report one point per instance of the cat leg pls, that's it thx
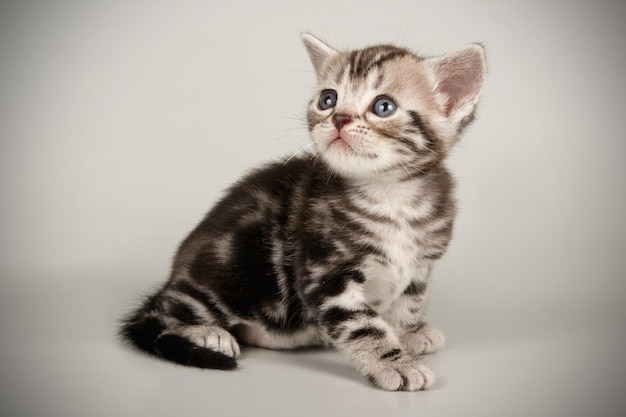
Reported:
(405, 315)
(187, 316)
(365, 337)
(182, 324)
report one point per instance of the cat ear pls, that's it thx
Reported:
(319, 52)
(459, 79)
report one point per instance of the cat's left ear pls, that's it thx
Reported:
(459, 79)
(319, 52)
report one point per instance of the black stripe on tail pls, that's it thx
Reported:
(146, 331)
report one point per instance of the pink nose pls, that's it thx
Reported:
(341, 120)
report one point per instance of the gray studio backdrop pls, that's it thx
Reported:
(122, 121)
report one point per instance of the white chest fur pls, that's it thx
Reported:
(395, 209)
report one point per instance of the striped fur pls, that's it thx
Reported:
(332, 248)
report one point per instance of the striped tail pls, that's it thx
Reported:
(147, 330)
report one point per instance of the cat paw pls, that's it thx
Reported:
(403, 375)
(214, 338)
(425, 340)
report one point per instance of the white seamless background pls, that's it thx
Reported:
(121, 122)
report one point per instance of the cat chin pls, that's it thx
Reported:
(349, 161)
(344, 161)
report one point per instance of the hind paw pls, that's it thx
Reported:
(214, 338)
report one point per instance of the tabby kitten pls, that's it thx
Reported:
(332, 248)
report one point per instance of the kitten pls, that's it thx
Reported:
(332, 248)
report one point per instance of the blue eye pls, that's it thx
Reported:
(384, 106)
(328, 99)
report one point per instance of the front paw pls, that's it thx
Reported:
(403, 374)
(425, 339)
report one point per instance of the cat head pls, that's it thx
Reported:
(383, 110)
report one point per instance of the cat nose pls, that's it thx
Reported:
(341, 119)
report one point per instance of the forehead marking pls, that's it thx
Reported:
(366, 60)
(379, 80)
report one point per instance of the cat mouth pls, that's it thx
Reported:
(341, 144)
(342, 141)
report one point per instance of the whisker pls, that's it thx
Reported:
(296, 118)
(406, 169)
(431, 150)
(299, 151)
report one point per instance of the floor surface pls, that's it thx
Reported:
(62, 359)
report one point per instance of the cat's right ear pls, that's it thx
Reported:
(319, 52)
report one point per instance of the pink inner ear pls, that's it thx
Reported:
(460, 79)
(454, 89)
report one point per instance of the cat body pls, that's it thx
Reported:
(332, 248)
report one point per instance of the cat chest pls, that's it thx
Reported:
(387, 276)
(395, 227)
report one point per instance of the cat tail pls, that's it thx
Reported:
(147, 329)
